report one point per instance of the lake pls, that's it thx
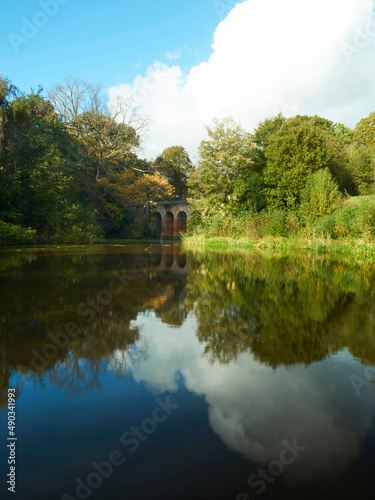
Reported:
(143, 372)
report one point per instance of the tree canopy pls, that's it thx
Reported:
(364, 131)
(220, 182)
(302, 146)
(175, 165)
(68, 166)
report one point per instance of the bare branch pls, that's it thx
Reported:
(124, 110)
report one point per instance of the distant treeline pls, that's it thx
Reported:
(69, 168)
(302, 176)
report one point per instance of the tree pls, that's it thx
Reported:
(7, 92)
(226, 160)
(107, 135)
(362, 167)
(344, 132)
(364, 131)
(174, 164)
(362, 155)
(143, 189)
(112, 196)
(106, 141)
(64, 173)
(301, 147)
(38, 163)
(262, 134)
(266, 129)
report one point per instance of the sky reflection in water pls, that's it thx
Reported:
(255, 351)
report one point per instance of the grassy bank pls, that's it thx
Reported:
(357, 250)
(348, 230)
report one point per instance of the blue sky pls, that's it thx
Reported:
(104, 41)
(248, 60)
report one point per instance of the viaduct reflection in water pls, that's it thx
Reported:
(283, 311)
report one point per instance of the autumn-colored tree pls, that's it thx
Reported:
(143, 189)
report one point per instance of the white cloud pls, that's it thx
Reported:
(172, 56)
(294, 56)
(253, 408)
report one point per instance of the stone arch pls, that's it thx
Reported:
(181, 222)
(156, 224)
(169, 224)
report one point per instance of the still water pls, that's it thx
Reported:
(142, 372)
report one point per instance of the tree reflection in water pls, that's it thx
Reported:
(282, 310)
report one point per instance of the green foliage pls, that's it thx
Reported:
(293, 224)
(76, 224)
(301, 147)
(350, 220)
(320, 196)
(364, 131)
(220, 182)
(266, 129)
(59, 158)
(345, 133)
(324, 227)
(106, 141)
(362, 166)
(103, 133)
(275, 223)
(55, 162)
(195, 222)
(262, 135)
(175, 165)
(11, 234)
(249, 194)
(38, 163)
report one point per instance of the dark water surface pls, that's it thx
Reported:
(145, 373)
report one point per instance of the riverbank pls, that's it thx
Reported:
(358, 250)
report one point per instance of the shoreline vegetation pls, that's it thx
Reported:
(346, 232)
(359, 250)
(69, 171)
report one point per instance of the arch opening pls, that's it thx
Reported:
(156, 224)
(169, 224)
(181, 222)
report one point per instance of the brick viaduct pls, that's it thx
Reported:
(168, 218)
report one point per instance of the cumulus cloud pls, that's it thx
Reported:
(253, 408)
(293, 56)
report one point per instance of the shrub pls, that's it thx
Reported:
(354, 220)
(292, 224)
(11, 234)
(319, 197)
(325, 226)
(76, 224)
(275, 223)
